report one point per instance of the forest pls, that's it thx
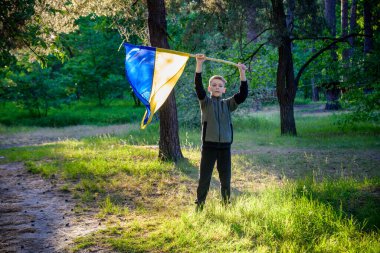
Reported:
(78, 175)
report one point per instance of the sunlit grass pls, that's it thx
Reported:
(109, 207)
(291, 218)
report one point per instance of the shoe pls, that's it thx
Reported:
(199, 207)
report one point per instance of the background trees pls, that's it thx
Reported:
(14, 32)
(324, 50)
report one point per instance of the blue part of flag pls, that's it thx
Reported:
(139, 69)
(153, 73)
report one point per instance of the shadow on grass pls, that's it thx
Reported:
(347, 196)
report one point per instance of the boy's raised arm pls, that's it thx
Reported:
(242, 68)
(201, 93)
(200, 59)
(243, 91)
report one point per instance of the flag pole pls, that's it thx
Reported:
(193, 55)
(217, 60)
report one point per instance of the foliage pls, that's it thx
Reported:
(87, 44)
(362, 87)
(84, 112)
(13, 27)
(364, 104)
(95, 67)
(32, 88)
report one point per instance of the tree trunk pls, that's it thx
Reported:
(353, 25)
(99, 94)
(332, 96)
(368, 43)
(314, 91)
(344, 26)
(285, 85)
(306, 92)
(314, 87)
(169, 147)
(251, 19)
(330, 17)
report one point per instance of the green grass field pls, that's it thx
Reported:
(318, 192)
(78, 113)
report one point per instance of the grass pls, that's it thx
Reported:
(284, 219)
(274, 220)
(263, 129)
(76, 113)
(318, 192)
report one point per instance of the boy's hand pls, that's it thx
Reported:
(200, 59)
(242, 68)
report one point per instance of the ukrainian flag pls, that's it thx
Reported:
(153, 73)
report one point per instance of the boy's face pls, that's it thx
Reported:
(216, 88)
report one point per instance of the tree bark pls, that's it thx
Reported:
(368, 43)
(332, 96)
(251, 19)
(169, 147)
(314, 87)
(330, 17)
(353, 25)
(344, 25)
(314, 91)
(285, 86)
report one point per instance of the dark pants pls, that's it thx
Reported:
(223, 158)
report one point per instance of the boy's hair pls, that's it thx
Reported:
(216, 77)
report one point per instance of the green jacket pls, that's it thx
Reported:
(217, 128)
(216, 121)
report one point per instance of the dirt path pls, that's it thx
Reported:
(35, 215)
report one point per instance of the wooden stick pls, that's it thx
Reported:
(191, 55)
(217, 60)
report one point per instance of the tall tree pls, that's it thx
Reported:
(330, 16)
(344, 24)
(368, 31)
(314, 87)
(353, 24)
(169, 147)
(332, 86)
(286, 89)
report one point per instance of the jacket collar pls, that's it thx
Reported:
(217, 98)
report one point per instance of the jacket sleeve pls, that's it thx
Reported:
(239, 97)
(201, 93)
(243, 93)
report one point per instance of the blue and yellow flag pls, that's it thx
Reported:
(153, 73)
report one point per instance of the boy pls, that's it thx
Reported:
(217, 132)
